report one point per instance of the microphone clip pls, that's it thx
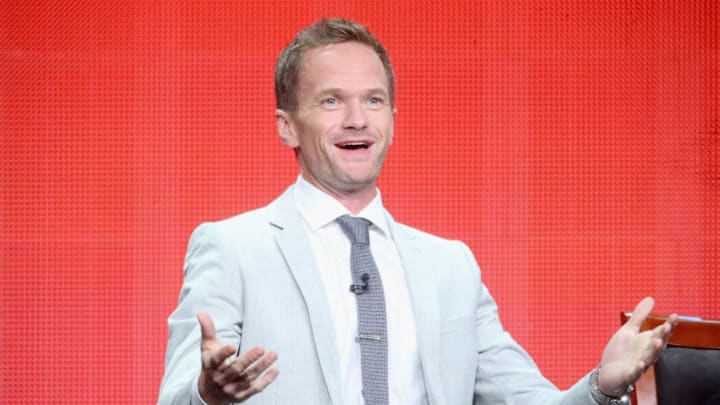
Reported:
(358, 289)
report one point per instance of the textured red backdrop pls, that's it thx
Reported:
(575, 147)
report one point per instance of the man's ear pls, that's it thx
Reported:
(285, 129)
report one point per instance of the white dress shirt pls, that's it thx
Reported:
(331, 249)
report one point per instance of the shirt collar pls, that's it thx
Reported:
(319, 209)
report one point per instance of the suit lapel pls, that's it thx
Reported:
(424, 298)
(292, 240)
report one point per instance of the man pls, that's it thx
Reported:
(278, 277)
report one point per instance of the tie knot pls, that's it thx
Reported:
(356, 229)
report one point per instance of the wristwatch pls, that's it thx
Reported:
(600, 398)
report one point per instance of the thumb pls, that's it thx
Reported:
(207, 327)
(641, 312)
(214, 353)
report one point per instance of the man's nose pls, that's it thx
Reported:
(355, 116)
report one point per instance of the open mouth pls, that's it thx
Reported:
(352, 145)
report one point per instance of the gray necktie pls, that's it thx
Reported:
(372, 330)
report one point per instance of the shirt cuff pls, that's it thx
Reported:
(195, 398)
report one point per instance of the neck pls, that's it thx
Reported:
(353, 198)
(354, 203)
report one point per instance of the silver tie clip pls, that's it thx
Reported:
(366, 336)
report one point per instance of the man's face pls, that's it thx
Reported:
(343, 124)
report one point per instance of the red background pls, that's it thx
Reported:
(574, 146)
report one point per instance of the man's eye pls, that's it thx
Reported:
(329, 101)
(375, 100)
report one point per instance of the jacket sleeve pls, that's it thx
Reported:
(506, 374)
(212, 283)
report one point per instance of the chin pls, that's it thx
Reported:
(358, 182)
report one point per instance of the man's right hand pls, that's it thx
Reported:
(224, 379)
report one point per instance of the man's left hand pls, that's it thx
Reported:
(630, 352)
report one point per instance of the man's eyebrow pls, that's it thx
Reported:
(377, 90)
(337, 90)
(330, 90)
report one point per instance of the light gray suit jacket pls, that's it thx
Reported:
(255, 275)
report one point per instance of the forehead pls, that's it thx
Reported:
(342, 64)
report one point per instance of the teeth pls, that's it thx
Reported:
(354, 145)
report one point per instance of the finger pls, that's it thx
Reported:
(249, 357)
(656, 348)
(216, 357)
(672, 321)
(640, 369)
(640, 313)
(258, 367)
(222, 359)
(257, 386)
(652, 351)
(664, 330)
(237, 370)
